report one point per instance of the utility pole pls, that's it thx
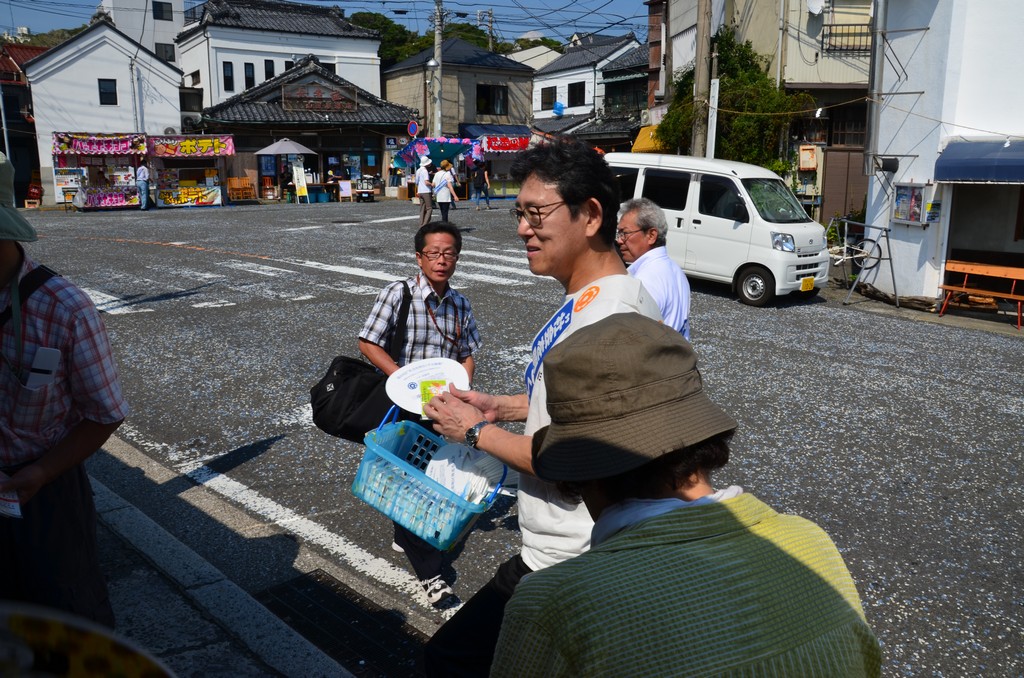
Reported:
(490, 26)
(438, 39)
(702, 79)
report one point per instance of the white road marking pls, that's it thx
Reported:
(301, 228)
(514, 257)
(362, 561)
(213, 304)
(347, 270)
(113, 305)
(260, 269)
(384, 221)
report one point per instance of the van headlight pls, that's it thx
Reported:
(783, 242)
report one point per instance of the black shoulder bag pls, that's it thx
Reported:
(350, 399)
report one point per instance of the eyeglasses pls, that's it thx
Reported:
(621, 236)
(533, 214)
(448, 255)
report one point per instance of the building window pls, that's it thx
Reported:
(547, 98)
(194, 77)
(328, 67)
(492, 100)
(162, 11)
(165, 51)
(849, 125)
(288, 65)
(108, 92)
(268, 69)
(250, 75)
(229, 76)
(577, 94)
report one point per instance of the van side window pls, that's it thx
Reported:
(626, 177)
(667, 188)
(718, 197)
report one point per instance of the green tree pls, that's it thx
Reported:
(527, 43)
(754, 115)
(396, 41)
(54, 37)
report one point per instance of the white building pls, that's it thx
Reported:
(100, 81)
(152, 23)
(949, 114)
(570, 86)
(229, 46)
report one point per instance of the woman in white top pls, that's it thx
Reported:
(444, 188)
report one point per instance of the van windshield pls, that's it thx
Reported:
(774, 202)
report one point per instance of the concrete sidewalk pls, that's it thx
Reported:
(185, 612)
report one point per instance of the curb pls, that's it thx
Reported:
(231, 607)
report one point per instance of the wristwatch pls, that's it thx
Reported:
(473, 434)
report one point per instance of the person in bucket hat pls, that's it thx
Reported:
(680, 579)
(62, 400)
(425, 191)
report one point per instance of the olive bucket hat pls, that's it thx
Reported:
(621, 392)
(13, 226)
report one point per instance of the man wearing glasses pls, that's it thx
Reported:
(440, 325)
(566, 216)
(641, 240)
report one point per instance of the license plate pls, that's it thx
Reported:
(807, 284)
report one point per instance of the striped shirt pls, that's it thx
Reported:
(86, 385)
(437, 328)
(729, 588)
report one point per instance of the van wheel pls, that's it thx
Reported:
(756, 286)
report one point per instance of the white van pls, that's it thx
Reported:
(730, 222)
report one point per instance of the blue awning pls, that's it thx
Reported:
(981, 162)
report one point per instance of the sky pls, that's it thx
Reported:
(558, 19)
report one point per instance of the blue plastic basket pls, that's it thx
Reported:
(391, 479)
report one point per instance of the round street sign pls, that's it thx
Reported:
(413, 128)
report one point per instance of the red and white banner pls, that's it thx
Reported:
(505, 144)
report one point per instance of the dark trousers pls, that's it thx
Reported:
(464, 646)
(444, 209)
(482, 191)
(49, 555)
(424, 558)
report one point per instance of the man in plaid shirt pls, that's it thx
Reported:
(61, 401)
(440, 325)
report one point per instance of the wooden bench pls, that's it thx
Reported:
(989, 275)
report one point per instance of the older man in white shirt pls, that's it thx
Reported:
(641, 241)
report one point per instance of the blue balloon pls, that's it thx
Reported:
(558, 109)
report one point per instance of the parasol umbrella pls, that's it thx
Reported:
(285, 147)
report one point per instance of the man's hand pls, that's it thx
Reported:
(26, 482)
(453, 414)
(485, 403)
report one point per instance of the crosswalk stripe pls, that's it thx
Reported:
(108, 303)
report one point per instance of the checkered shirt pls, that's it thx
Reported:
(86, 386)
(453, 314)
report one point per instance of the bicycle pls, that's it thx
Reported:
(862, 253)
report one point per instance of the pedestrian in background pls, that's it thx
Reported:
(61, 400)
(142, 183)
(425, 191)
(440, 325)
(680, 579)
(641, 240)
(482, 184)
(444, 188)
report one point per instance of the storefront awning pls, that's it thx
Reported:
(981, 162)
(72, 143)
(437, 149)
(195, 146)
(645, 141)
(498, 138)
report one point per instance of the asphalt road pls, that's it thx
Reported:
(902, 438)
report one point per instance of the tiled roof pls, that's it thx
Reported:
(456, 51)
(559, 125)
(275, 16)
(262, 103)
(636, 59)
(588, 53)
(600, 128)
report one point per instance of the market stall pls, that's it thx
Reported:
(97, 171)
(188, 169)
(498, 146)
(437, 149)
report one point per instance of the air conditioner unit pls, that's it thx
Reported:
(170, 130)
(189, 122)
(645, 117)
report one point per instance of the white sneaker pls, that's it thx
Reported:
(439, 593)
